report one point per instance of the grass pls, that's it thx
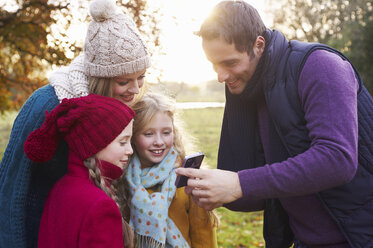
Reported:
(236, 230)
(6, 123)
(204, 125)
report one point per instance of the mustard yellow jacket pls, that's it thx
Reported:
(195, 224)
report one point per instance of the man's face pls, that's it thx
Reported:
(232, 67)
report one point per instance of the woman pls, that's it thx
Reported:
(114, 63)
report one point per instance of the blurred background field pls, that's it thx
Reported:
(6, 123)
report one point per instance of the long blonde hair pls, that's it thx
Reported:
(101, 86)
(119, 192)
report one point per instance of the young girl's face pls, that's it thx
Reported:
(119, 150)
(127, 86)
(155, 140)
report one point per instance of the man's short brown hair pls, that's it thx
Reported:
(234, 21)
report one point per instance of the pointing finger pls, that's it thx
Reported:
(191, 172)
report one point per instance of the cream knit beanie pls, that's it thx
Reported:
(113, 45)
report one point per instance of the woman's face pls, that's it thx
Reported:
(127, 86)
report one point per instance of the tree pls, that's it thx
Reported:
(343, 24)
(25, 49)
(29, 44)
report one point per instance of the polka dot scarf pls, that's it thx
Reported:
(149, 212)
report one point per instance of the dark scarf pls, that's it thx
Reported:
(240, 124)
(240, 146)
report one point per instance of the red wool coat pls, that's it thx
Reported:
(78, 214)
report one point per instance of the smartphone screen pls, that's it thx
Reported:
(190, 161)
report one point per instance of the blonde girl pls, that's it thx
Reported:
(161, 214)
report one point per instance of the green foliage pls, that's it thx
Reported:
(346, 25)
(25, 49)
(360, 49)
(205, 125)
(236, 229)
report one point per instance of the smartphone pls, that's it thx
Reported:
(190, 161)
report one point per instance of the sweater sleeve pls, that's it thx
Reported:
(327, 90)
(102, 226)
(15, 174)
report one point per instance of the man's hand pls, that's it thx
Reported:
(211, 188)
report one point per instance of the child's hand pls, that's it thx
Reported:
(211, 188)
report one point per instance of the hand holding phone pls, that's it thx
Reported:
(190, 161)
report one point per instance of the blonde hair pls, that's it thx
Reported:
(152, 103)
(148, 106)
(101, 86)
(119, 192)
(104, 87)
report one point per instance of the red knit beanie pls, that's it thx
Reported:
(88, 124)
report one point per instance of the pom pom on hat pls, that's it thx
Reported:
(41, 144)
(88, 124)
(102, 10)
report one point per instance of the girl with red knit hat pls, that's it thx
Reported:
(87, 207)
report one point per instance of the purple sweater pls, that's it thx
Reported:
(328, 93)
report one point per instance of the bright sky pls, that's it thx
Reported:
(184, 60)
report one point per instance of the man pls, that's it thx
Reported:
(294, 118)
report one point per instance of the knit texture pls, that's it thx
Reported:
(70, 81)
(113, 45)
(88, 124)
(17, 231)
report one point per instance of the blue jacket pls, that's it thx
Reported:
(351, 204)
(24, 185)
